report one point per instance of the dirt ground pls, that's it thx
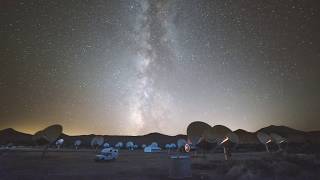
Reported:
(67, 164)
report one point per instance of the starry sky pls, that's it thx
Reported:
(135, 67)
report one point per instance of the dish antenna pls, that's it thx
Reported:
(216, 134)
(96, 142)
(219, 133)
(181, 143)
(264, 139)
(195, 131)
(230, 141)
(222, 136)
(59, 143)
(47, 136)
(173, 145)
(233, 137)
(167, 146)
(187, 148)
(136, 146)
(77, 143)
(119, 145)
(279, 140)
(130, 145)
(106, 145)
(154, 144)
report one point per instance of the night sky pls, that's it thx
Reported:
(135, 67)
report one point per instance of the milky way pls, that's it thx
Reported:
(135, 67)
(149, 105)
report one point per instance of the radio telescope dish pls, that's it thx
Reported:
(154, 144)
(216, 134)
(106, 145)
(39, 138)
(278, 139)
(220, 135)
(187, 148)
(167, 146)
(181, 143)
(264, 139)
(233, 137)
(230, 141)
(130, 145)
(97, 142)
(119, 145)
(209, 136)
(77, 143)
(47, 136)
(195, 131)
(173, 145)
(220, 132)
(59, 143)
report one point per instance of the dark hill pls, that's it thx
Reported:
(15, 137)
(281, 130)
(295, 136)
(161, 139)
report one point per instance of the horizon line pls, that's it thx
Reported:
(154, 132)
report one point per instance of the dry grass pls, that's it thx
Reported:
(139, 165)
(262, 166)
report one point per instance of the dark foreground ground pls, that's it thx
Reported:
(27, 164)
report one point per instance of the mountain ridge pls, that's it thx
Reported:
(10, 135)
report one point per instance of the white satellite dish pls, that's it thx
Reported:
(59, 143)
(119, 145)
(77, 143)
(97, 141)
(154, 144)
(47, 136)
(130, 145)
(167, 146)
(106, 145)
(181, 143)
(173, 145)
(264, 139)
